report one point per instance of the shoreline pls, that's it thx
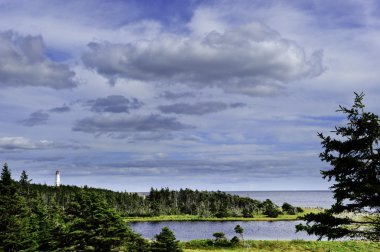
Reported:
(187, 217)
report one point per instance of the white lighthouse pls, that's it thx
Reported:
(57, 178)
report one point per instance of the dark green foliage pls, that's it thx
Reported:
(91, 224)
(135, 243)
(235, 241)
(270, 209)
(246, 213)
(289, 209)
(221, 240)
(158, 202)
(299, 210)
(354, 157)
(24, 183)
(15, 231)
(32, 219)
(219, 236)
(239, 230)
(165, 242)
(202, 203)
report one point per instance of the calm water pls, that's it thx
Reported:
(256, 230)
(253, 230)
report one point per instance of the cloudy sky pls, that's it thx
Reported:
(226, 95)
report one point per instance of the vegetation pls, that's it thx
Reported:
(221, 243)
(82, 220)
(205, 204)
(187, 217)
(354, 156)
(163, 202)
(239, 230)
(165, 241)
(295, 245)
(37, 217)
(289, 209)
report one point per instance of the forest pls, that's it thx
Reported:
(35, 217)
(162, 201)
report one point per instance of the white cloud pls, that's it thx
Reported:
(24, 63)
(252, 59)
(21, 143)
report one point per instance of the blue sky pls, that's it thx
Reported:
(208, 95)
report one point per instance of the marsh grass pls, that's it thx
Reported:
(187, 217)
(295, 245)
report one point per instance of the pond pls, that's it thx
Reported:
(253, 230)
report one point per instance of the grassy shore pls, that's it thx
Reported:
(187, 217)
(295, 245)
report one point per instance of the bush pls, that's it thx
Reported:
(165, 242)
(299, 210)
(235, 241)
(247, 213)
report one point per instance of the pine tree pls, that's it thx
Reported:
(240, 230)
(24, 183)
(91, 225)
(354, 156)
(15, 230)
(165, 242)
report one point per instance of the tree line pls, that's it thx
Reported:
(164, 201)
(32, 219)
(35, 217)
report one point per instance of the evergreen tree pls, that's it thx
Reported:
(354, 156)
(24, 183)
(165, 242)
(15, 230)
(240, 230)
(47, 223)
(91, 225)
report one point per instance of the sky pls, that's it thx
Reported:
(209, 95)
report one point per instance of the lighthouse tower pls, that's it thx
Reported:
(57, 178)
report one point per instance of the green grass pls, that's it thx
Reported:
(187, 217)
(295, 245)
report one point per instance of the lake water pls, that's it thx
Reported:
(254, 230)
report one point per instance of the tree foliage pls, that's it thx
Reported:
(36, 221)
(354, 157)
(92, 225)
(165, 242)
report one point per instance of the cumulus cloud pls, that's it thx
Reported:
(36, 118)
(63, 109)
(111, 124)
(252, 59)
(23, 63)
(200, 108)
(114, 104)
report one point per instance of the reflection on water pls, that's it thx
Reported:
(253, 230)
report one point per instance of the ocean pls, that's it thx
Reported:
(313, 199)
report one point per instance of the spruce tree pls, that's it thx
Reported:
(24, 183)
(92, 225)
(354, 158)
(15, 229)
(165, 242)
